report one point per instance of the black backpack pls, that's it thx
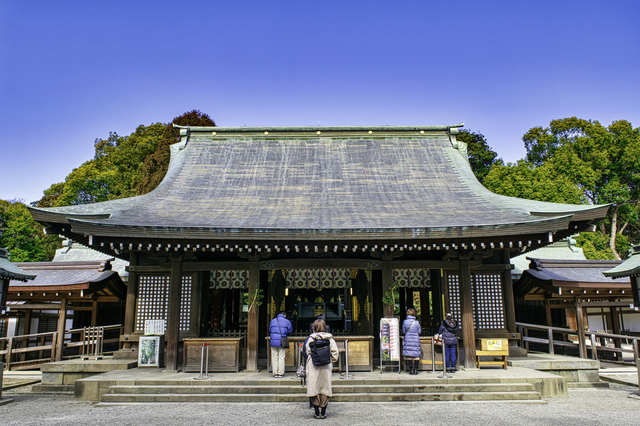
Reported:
(320, 351)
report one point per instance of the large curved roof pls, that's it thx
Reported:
(319, 183)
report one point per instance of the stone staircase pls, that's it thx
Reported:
(343, 391)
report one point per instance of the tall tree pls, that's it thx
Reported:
(156, 165)
(524, 180)
(114, 171)
(22, 236)
(481, 157)
(602, 162)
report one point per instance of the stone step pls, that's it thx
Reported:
(346, 397)
(293, 381)
(337, 389)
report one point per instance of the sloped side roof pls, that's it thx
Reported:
(630, 267)
(89, 277)
(554, 276)
(265, 184)
(11, 271)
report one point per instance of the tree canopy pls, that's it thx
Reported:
(156, 165)
(481, 157)
(581, 161)
(22, 236)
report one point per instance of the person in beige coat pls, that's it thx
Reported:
(319, 377)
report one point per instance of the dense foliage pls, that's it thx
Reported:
(481, 157)
(22, 236)
(581, 161)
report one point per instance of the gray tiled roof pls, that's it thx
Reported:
(11, 271)
(630, 267)
(242, 183)
(586, 271)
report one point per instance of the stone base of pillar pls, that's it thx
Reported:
(126, 354)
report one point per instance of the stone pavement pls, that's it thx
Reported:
(617, 405)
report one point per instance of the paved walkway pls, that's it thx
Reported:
(617, 405)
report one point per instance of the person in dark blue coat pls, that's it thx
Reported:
(448, 330)
(411, 350)
(279, 327)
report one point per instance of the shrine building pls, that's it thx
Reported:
(317, 220)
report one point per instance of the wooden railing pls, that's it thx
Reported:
(18, 347)
(14, 350)
(596, 342)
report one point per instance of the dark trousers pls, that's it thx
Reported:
(450, 354)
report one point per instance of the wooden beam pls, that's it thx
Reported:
(94, 313)
(507, 293)
(252, 320)
(173, 318)
(132, 297)
(580, 328)
(388, 310)
(62, 321)
(214, 266)
(466, 307)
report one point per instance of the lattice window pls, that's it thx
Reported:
(153, 300)
(185, 303)
(3, 328)
(486, 294)
(453, 285)
(488, 307)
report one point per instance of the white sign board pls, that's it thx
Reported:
(390, 339)
(154, 327)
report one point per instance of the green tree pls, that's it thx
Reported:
(114, 171)
(524, 180)
(156, 165)
(481, 157)
(602, 162)
(22, 236)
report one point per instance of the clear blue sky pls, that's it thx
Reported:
(72, 71)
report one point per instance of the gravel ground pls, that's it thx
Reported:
(619, 405)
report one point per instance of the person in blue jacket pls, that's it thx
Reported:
(411, 350)
(448, 330)
(279, 327)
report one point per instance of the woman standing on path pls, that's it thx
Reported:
(411, 345)
(319, 376)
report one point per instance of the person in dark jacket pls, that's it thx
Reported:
(448, 330)
(279, 327)
(411, 345)
(323, 318)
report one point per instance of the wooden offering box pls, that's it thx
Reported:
(493, 348)
(225, 353)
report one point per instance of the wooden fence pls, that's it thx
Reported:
(14, 350)
(597, 343)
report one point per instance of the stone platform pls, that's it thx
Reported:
(578, 372)
(489, 384)
(61, 376)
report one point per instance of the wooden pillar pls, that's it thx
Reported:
(580, 328)
(94, 313)
(547, 308)
(130, 301)
(403, 304)
(466, 308)
(507, 294)
(252, 320)
(615, 319)
(196, 303)
(27, 330)
(173, 319)
(62, 321)
(387, 282)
